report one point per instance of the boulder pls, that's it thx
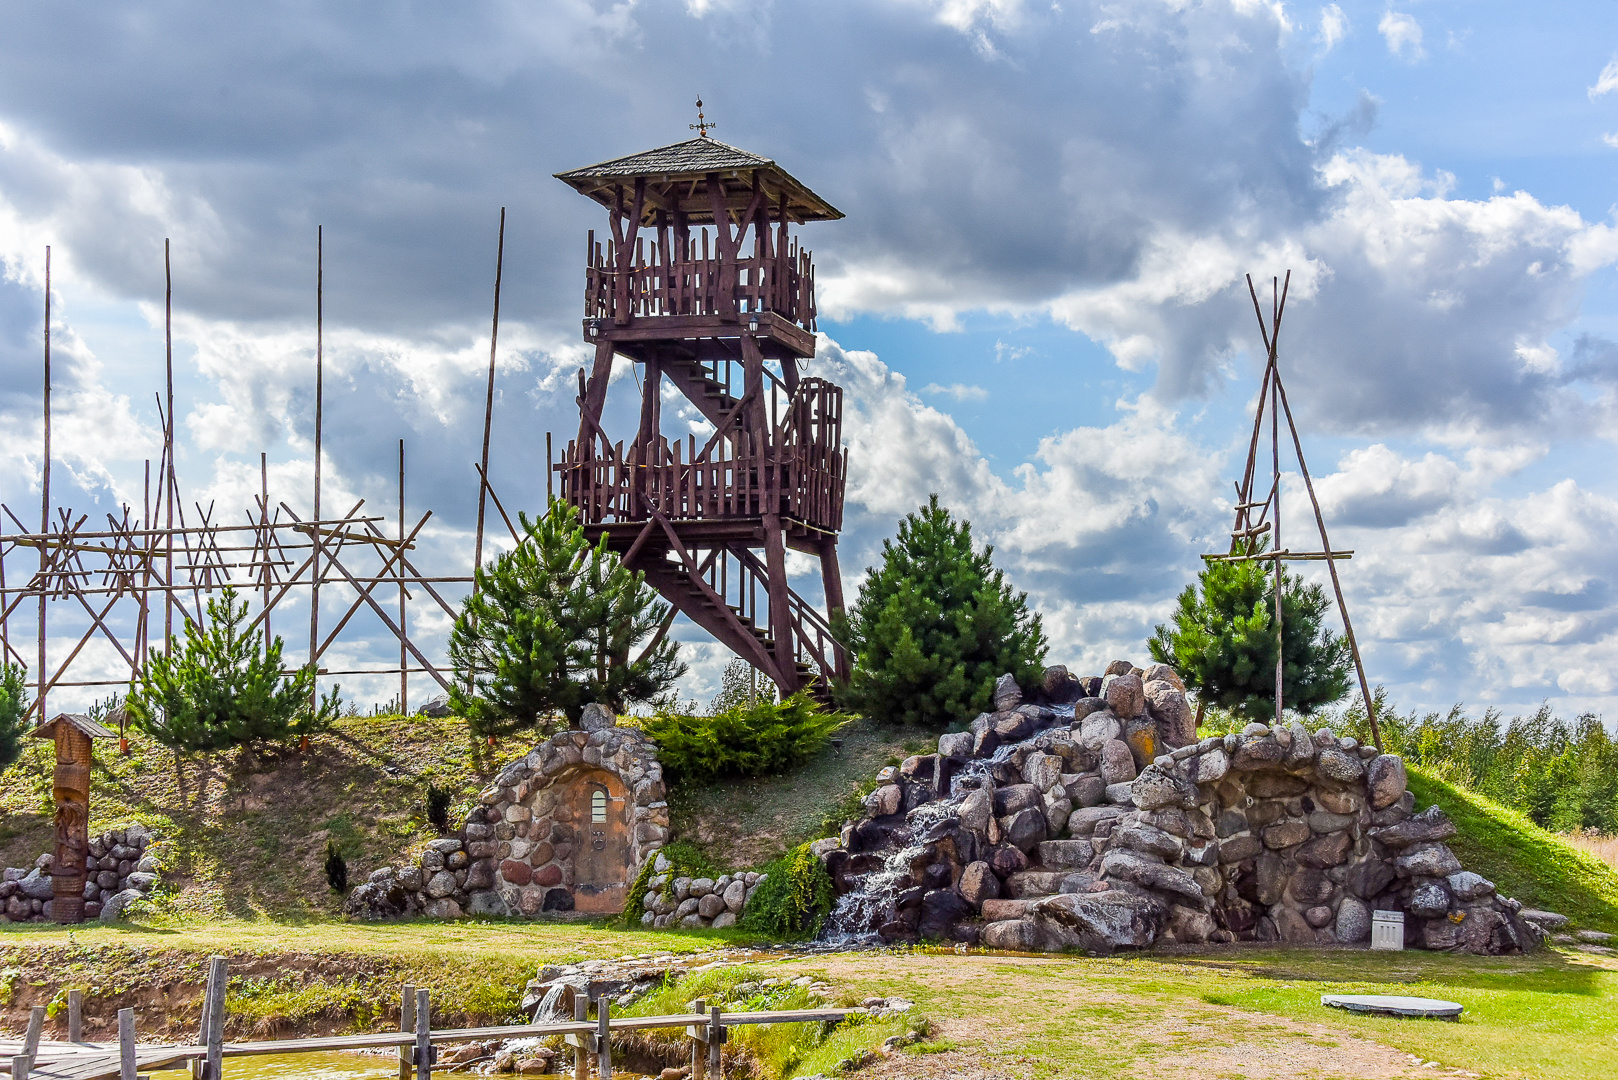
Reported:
(1139, 836)
(1083, 822)
(1098, 729)
(1430, 900)
(1326, 851)
(1097, 922)
(1065, 854)
(735, 896)
(1427, 860)
(1386, 780)
(1340, 765)
(1025, 828)
(1015, 797)
(978, 883)
(976, 810)
(1164, 673)
(1285, 834)
(1007, 694)
(1087, 791)
(1262, 752)
(1176, 720)
(1151, 874)
(596, 717)
(1006, 860)
(1126, 696)
(884, 801)
(436, 707)
(1155, 789)
(710, 905)
(956, 746)
(1043, 771)
(1205, 768)
(1189, 926)
(1117, 763)
(112, 908)
(1467, 886)
(1429, 826)
(941, 909)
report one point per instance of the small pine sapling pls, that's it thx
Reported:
(336, 869)
(13, 707)
(438, 807)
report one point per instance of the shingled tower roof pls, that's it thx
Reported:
(677, 178)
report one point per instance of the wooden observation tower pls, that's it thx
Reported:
(709, 516)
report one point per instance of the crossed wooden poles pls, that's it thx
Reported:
(1258, 517)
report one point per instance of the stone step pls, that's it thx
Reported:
(1035, 883)
(1065, 854)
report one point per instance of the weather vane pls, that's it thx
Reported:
(703, 123)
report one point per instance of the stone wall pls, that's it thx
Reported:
(518, 851)
(1101, 822)
(117, 871)
(678, 900)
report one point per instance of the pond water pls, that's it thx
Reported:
(326, 1066)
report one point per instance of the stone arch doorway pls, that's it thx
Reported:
(602, 863)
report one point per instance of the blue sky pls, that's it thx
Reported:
(1035, 301)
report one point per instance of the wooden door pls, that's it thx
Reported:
(601, 870)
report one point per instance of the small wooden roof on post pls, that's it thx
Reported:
(677, 178)
(77, 721)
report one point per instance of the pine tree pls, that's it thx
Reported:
(13, 707)
(935, 625)
(224, 688)
(1222, 642)
(550, 629)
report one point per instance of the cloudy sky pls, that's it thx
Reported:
(1035, 301)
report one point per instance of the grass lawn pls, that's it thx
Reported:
(1233, 1012)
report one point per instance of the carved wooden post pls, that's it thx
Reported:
(70, 789)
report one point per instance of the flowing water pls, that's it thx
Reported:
(859, 911)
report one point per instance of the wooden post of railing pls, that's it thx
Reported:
(407, 1022)
(36, 1025)
(581, 1013)
(603, 1038)
(699, 1047)
(75, 1016)
(126, 1044)
(424, 1036)
(214, 1017)
(21, 1065)
(716, 1038)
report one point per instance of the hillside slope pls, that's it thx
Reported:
(244, 834)
(1523, 860)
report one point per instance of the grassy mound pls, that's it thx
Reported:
(243, 834)
(1523, 860)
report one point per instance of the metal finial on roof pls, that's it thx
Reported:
(703, 123)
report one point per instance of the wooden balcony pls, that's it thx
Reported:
(731, 289)
(795, 468)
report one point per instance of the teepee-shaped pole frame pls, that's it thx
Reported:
(1249, 526)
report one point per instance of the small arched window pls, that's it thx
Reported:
(598, 807)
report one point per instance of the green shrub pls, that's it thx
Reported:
(742, 740)
(794, 900)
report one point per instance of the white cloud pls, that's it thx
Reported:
(1403, 35)
(1611, 139)
(958, 391)
(1333, 27)
(1607, 81)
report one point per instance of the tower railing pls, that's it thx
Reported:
(782, 282)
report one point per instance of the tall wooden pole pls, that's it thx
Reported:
(167, 479)
(320, 393)
(1275, 463)
(45, 490)
(404, 627)
(488, 401)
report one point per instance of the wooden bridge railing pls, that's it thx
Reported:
(34, 1058)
